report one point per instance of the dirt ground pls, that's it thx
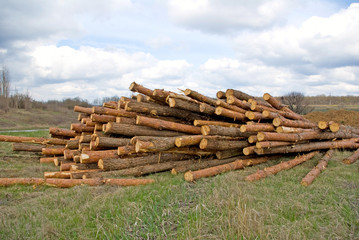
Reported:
(345, 117)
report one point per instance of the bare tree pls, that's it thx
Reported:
(296, 102)
(4, 89)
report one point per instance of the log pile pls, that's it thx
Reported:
(158, 130)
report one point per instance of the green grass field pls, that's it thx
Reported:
(220, 207)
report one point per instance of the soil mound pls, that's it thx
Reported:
(345, 117)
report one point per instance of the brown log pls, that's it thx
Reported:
(230, 114)
(273, 101)
(162, 124)
(238, 94)
(252, 139)
(94, 156)
(255, 116)
(263, 127)
(82, 109)
(113, 112)
(239, 103)
(218, 123)
(117, 164)
(293, 123)
(202, 98)
(134, 87)
(135, 130)
(126, 120)
(249, 150)
(126, 150)
(212, 171)
(110, 142)
(52, 151)
(280, 167)
(59, 160)
(229, 153)
(85, 120)
(102, 118)
(72, 144)
(223, 131)
(323, 125)
(67, 183)
(111, 104)
(128, 182)
(28, 147)
(270, 144)
(321, 166)
(54, 141)
(63, 174)
(83, 166)
(62, 132)
(334, 127)
(191, 151)
(283, 129)
(78, 127)
(155, 145)
(66, 166)
(221, 103)
(221, 95)
(184, 104)
(69, 154)
(5, 182)
(220, 145)
(82, 115)
(191, 140)
(270, 115)
(79, 174)
(307, 147)
(352, 158)
(19, 139)
(47, 160)
(207, 109)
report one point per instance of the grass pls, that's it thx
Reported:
(324, 108)
(220, 207)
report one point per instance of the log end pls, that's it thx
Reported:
(100, 164)
(220, 94)
(203, 144)
(178, 142)
(133, 87)
(230, 99)
(188, 176)
(334, 127)
(218, 110)
(304, 183)
(187, 92)
(260, 136)
(279, 129)
(252, 139)
(205, 130)
(277, 122)
(174, 172)
(247, 151)
(243, 128)
(266, 96)
(322, 125)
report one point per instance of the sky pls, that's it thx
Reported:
(93, 49)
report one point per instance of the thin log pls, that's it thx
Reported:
(62, 132)
(191, 140)
(110, 142)
(134, 87)
(78, 127)
(293, 123)
(135, 130)
(47, 160)
(223, 131)
(126, 120)
(113, 112)
(79, 174)
(283, 129)
(63, 174)
(273, 101)
(5, 182)
(238, 94)
(28, 147)
(280, 167)
(155, 145)
(249, 150)
(239, 103)
(18, 139)
(296, 137)
(263, 127)
(168, 125)
(184, 104)
(352, 158)
(83, 166)
(221, 103)
(200, 123)
(202, 98)
(252, 139)
(124, 182)
(220, 145)
(321, 166)
(212, 171)
(271, 144)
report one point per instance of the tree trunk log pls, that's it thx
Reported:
(82, 109)
(69, 154)
(220, 145)
(102, 118)
(271, 144)
(124, 182)
(94, 156)
(281, 166)
(18, 139)
(67, 183)
(28, 147)
(239, 103)
(113, 112)
(134, 87)
(185, 141)
(62, 132)
(221, 95)
(66, 166)
(321, 166)
(202, 98)
(168, 125)
(52, 151)
(217, 123)
(126, 120)
(223, 131)
(135, 130)
(72, 144)
(110, 142)
(5, 182)
(229, 153)
(273, 101)
(78, 127)
(47, 160)
(293, 123)
(63, 174)
(156, 145)
(83, 166)
(353, 158)
(263, 127)
(126, 150)
(230, 114)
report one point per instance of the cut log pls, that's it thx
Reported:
(134, 87)
(230, 114)
(113, 112)
(212, 171)
(323, 125)
(155, 145)
(126, 120)
(255, 116)
(94, 156)
(5, 182)
(321, 166)
(83, 166)
(67, 183)
(82, 115)
(221, 103)
(79, 174)
(66, 166)
(217, 123)
(223, 131)
(59, 160)
(220, 145)
(293, 123)
(239, 103)
(202, 98)
(135, 130)
(207, 109)
(85, 139)
(185, 141)
(102, 118)
(82, 109)
(18, 139)
(168, 125)
(191, 151)
(280, 167)
(221, 95)
(126, 150)
(52, 151)
(238, 94)
(110, 142)
(78, 127)
(62, 132)
(270, 144)
(263, 127)
(28, 147)
(63, 174)
(47, 160)
(283, 129)
(123, 163)
(334, 127)
(273, 101)
(252, 139)
(184, 104)
(249, 150)
(352, 158)
(307, 147)
(111, 104)
(69, 154)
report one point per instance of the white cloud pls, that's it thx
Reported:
(159, 42)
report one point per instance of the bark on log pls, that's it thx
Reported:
(47, 160)
(280, 167)
(321, 166)
(184, 104)
(221, 103)
(123, 163)
(113, 112)
(135, 130)
(102, 118)
(126, 120)
(134, 87)
(202, 98)
(191, 151)
(67, 183)
(218, 123)
(323, 125)
(249, 150)
(111, 104)
(185, 141)
(221, 95)
(5, 182)
(28, 147)
(52, 151)
(19, 139)
(273, 101)
(72, 144)
(110, 142)
(69, 154)
(283, 129)
(263, 127)
(80, 116)
(94, 156)
(252, 139)
(155, 145)
(239, 103)
(207, 109)
(352, 158)
(59, 160)
(271, 144)
(79, 174)
(62, 132)
(128, 182)
(78, 127)
(220, 145)
(85, 139)
(293, 123)
(307, 147)
(238, 94)
(82, 109)
(126, 150)
(230, 114)
(66, 166)
(168, 125)
(223, 131)
(334, 127)
(212, 171)
(63, 174)
(83, 166)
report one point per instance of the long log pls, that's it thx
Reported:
(52, 151)
(352, 158)
(239, 103)
(192, 106)
(273, 101)
(212, 171)
(238, 94)
(202, 98)
(18, 139)
(83, 166)
(321, 166)
(67, 183)
(190, 140)
(135, 130)
(218, 123)
(263, 127)
(229, 153)
(134, 87)
(128, 182)
(223, 131)
(72, 144)
(85, 139)
(110, 142)
(103, 118)
(221, 103)
(47, 160)
(94, 156)
(296, 137)
(230, 114)
(200, 164)
(307, 147)
(168, 125)
(82, 109)
(78, 127)
(113, 112)
(280, 167)
(62, 132)
(66, 166)
(126, 120)
(271, 144)
(293, 123)
(155, 145)
(117, 164)
(28, 147)
(220, 145)
(5, 182)
(63, 174)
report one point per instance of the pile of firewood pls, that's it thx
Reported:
(189, 133)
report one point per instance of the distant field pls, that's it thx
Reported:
(221, 207)
(323, 108)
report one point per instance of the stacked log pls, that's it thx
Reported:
(158, 130)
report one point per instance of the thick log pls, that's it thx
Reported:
(207, 109)
(83, 166)
(47, 160)
(307, 147)
(78, 127)
(184, 104)
(126, 120)
(168, 125)
(82, 109)
(19, 139)
(117, 164)
(323, 125)
(352, 158)
(155, 145)
(72, 144)
(238, 94)
(230, 114)
(54, 141)
(126, 150)
(82, 115)
(110, 142)
(85, 139)
(293, 123)
(63, 174)
(69, 154)
(113, 112)
(52, 151)
(273, 101)
(5, 182)
(333, 126)
(111, 104)
(220, 145)
(280, 167)
(263, 127)
(202, 98)
(252, 139)
(66, 166)
(321, 166)
(94, 156)
(239, 103)
(59, 160)
(223, 131)
(103, 118)
(218, 123)
(249, 150)
(135, 130)
(62, 132)
(185, 141)
(28, 147)
(221, 95)
(212, 171)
